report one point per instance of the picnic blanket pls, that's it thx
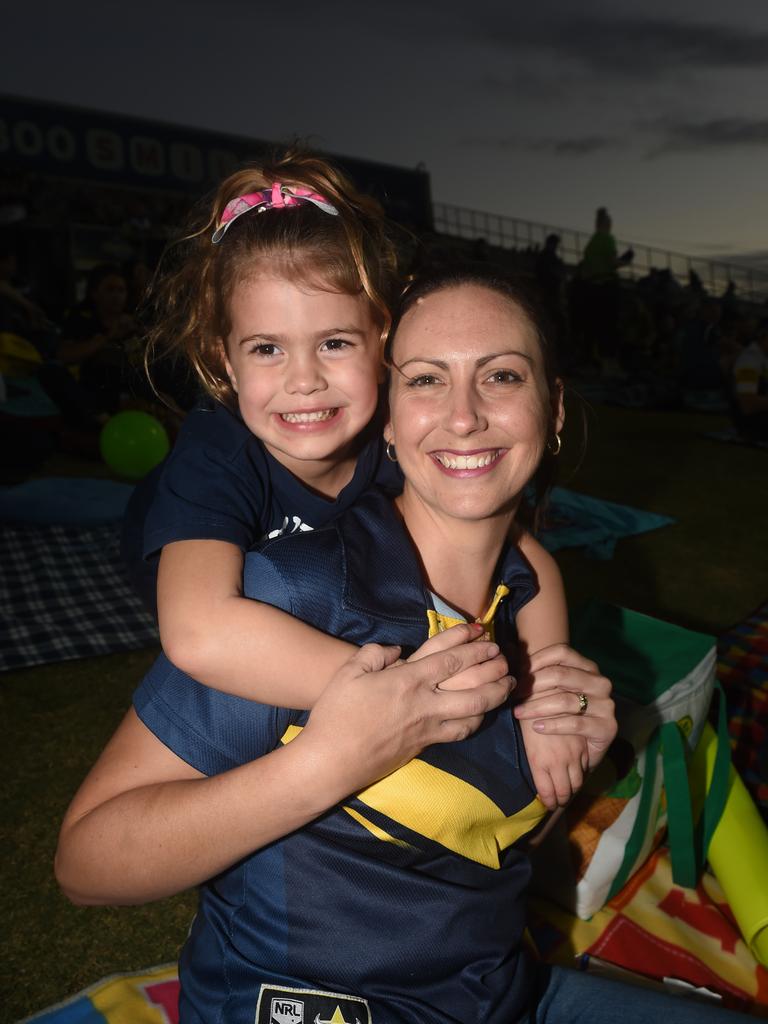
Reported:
(576, 520)
(64, 594)
(64, 501)
(139, 997)
(659, 930)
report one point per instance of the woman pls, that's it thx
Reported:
(403, 902)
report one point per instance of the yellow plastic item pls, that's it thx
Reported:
(18, 357)
(738, 853)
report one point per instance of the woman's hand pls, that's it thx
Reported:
(379, 712)
(145, 824)
(561, 741)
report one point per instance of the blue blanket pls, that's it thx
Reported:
(64, 501)
(577, 520)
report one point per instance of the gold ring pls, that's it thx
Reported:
(583, 703)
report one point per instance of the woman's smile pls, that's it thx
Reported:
(468, 463)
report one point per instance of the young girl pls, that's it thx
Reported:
(280, 303)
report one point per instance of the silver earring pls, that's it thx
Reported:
(390, 452)
(555, 445)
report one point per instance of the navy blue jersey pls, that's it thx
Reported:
(220, 483)
(402, 905)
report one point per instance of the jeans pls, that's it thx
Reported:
(566, 996)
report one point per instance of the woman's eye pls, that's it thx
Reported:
(504, 377)
(423, 380)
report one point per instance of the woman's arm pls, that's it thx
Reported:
(212, 632)
(145, 825)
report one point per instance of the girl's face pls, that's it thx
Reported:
(305, 365)
(470, 407)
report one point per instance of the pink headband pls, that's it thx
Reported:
(276, 197)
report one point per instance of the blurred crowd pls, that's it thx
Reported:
(67, 366)
(648, 342)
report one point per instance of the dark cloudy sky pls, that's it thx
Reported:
(543, 110)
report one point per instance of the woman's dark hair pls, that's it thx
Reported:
(498, 280)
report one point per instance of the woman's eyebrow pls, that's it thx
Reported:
(443, 365)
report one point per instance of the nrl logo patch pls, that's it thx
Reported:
(280, 1005)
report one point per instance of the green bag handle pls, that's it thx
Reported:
(688, 845)
(635, 841)
(682, 848)
(717, 794)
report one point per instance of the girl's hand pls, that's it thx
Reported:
(575, 741)
(463, 633)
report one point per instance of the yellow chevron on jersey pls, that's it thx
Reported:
(444, 808)
(375, 830)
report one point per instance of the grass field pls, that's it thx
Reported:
(707, 571)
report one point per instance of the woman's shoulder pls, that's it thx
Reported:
(534, 552)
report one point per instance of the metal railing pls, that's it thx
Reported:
(514, 233)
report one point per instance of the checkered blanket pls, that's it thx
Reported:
(64, 594)
(742, 666)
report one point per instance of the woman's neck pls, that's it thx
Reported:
(458, 556)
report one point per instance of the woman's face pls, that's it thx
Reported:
(470, 408)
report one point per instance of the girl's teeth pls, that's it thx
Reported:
(467, 461)
(308, 417)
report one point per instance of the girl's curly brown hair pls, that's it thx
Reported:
(353, 252)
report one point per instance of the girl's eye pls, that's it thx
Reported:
(335, 344)
(423, 380)
(265, 349)
(504, 377)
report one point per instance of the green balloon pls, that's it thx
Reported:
(132, 443)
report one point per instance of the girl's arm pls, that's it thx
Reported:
(145, 824)
(561, 744)
(212, 632)
(544, 620)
